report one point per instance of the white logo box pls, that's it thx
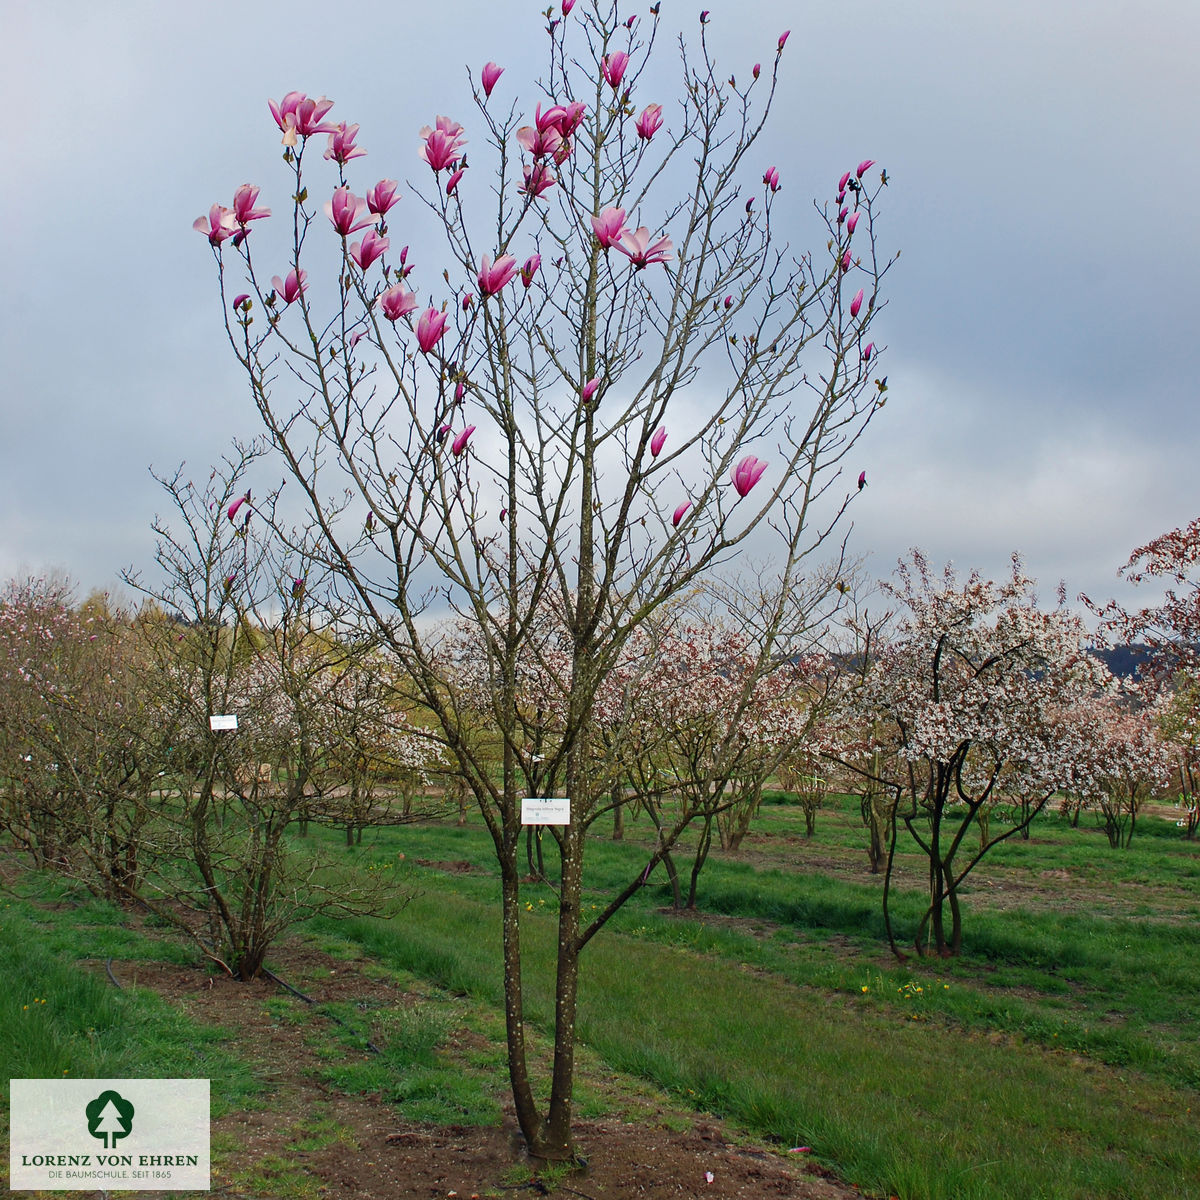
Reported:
(108, 1134)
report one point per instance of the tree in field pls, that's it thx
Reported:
(566, 414)
(1124, 761)
(976, 702)
(240, 641)
(75, 734)
(1170, 629)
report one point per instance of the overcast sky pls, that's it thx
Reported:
(1041, 322)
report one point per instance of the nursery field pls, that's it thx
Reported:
(768, 1031)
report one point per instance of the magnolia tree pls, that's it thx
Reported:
(1124, 761)
(975, 702)
(1171, 631)
(604, 376)
(233, 637)
(76, 738)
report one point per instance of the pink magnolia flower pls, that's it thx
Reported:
(851, 222)
(540, 142)
(845, 262)
(233, 508)
(489, 77)
(468, 300)
(452, 182)
(613, 67)
(567, 5)
(572, 117)
(348, 212)
(296, 115)
(530, 269)
(609, 226)
(494, 275)
(289, 288)
(868, 351)
(430, 329)
(842, 213)
(783, 37)
(341, 148)
(217, 226)
(656, 442)
(757, 70)
(460, 442)
(538, 179)
(650, 120)
(856, 303)
(845, 179)
(588, 390)
(639, 250)
(240, 299)
(382, 196)
(443, 430)
(749, 205)
(443, 143)
(863, 167)
(747, 473)
(771, 178)
(243, 205)
(369, 249)
(678, 514)
(460, 390)
(862, 480)
(704, 16)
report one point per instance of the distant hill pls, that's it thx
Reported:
(1122, 661)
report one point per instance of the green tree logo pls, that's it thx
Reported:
(109, 1116)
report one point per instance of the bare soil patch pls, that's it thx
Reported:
(309, 1140)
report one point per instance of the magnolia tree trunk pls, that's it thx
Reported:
(613, 378)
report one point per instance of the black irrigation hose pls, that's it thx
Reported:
(283, 983)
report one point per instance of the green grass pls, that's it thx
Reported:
(1056, 1058)
(1012, 1070)
(59, 1021)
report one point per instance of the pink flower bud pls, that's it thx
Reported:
(747, 473)
(678, 514)
(612, 66)
(868, 351)
(863, 167)
(588, 390)
(382, 196)
(656, 442)
(856, 303)
(489, 77)
(649, 121)
(430, 329)
(851, 222)
(530, 269)
(757, 70)
(783, 37)
(460, 442)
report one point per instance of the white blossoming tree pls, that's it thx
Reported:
(976, 702)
